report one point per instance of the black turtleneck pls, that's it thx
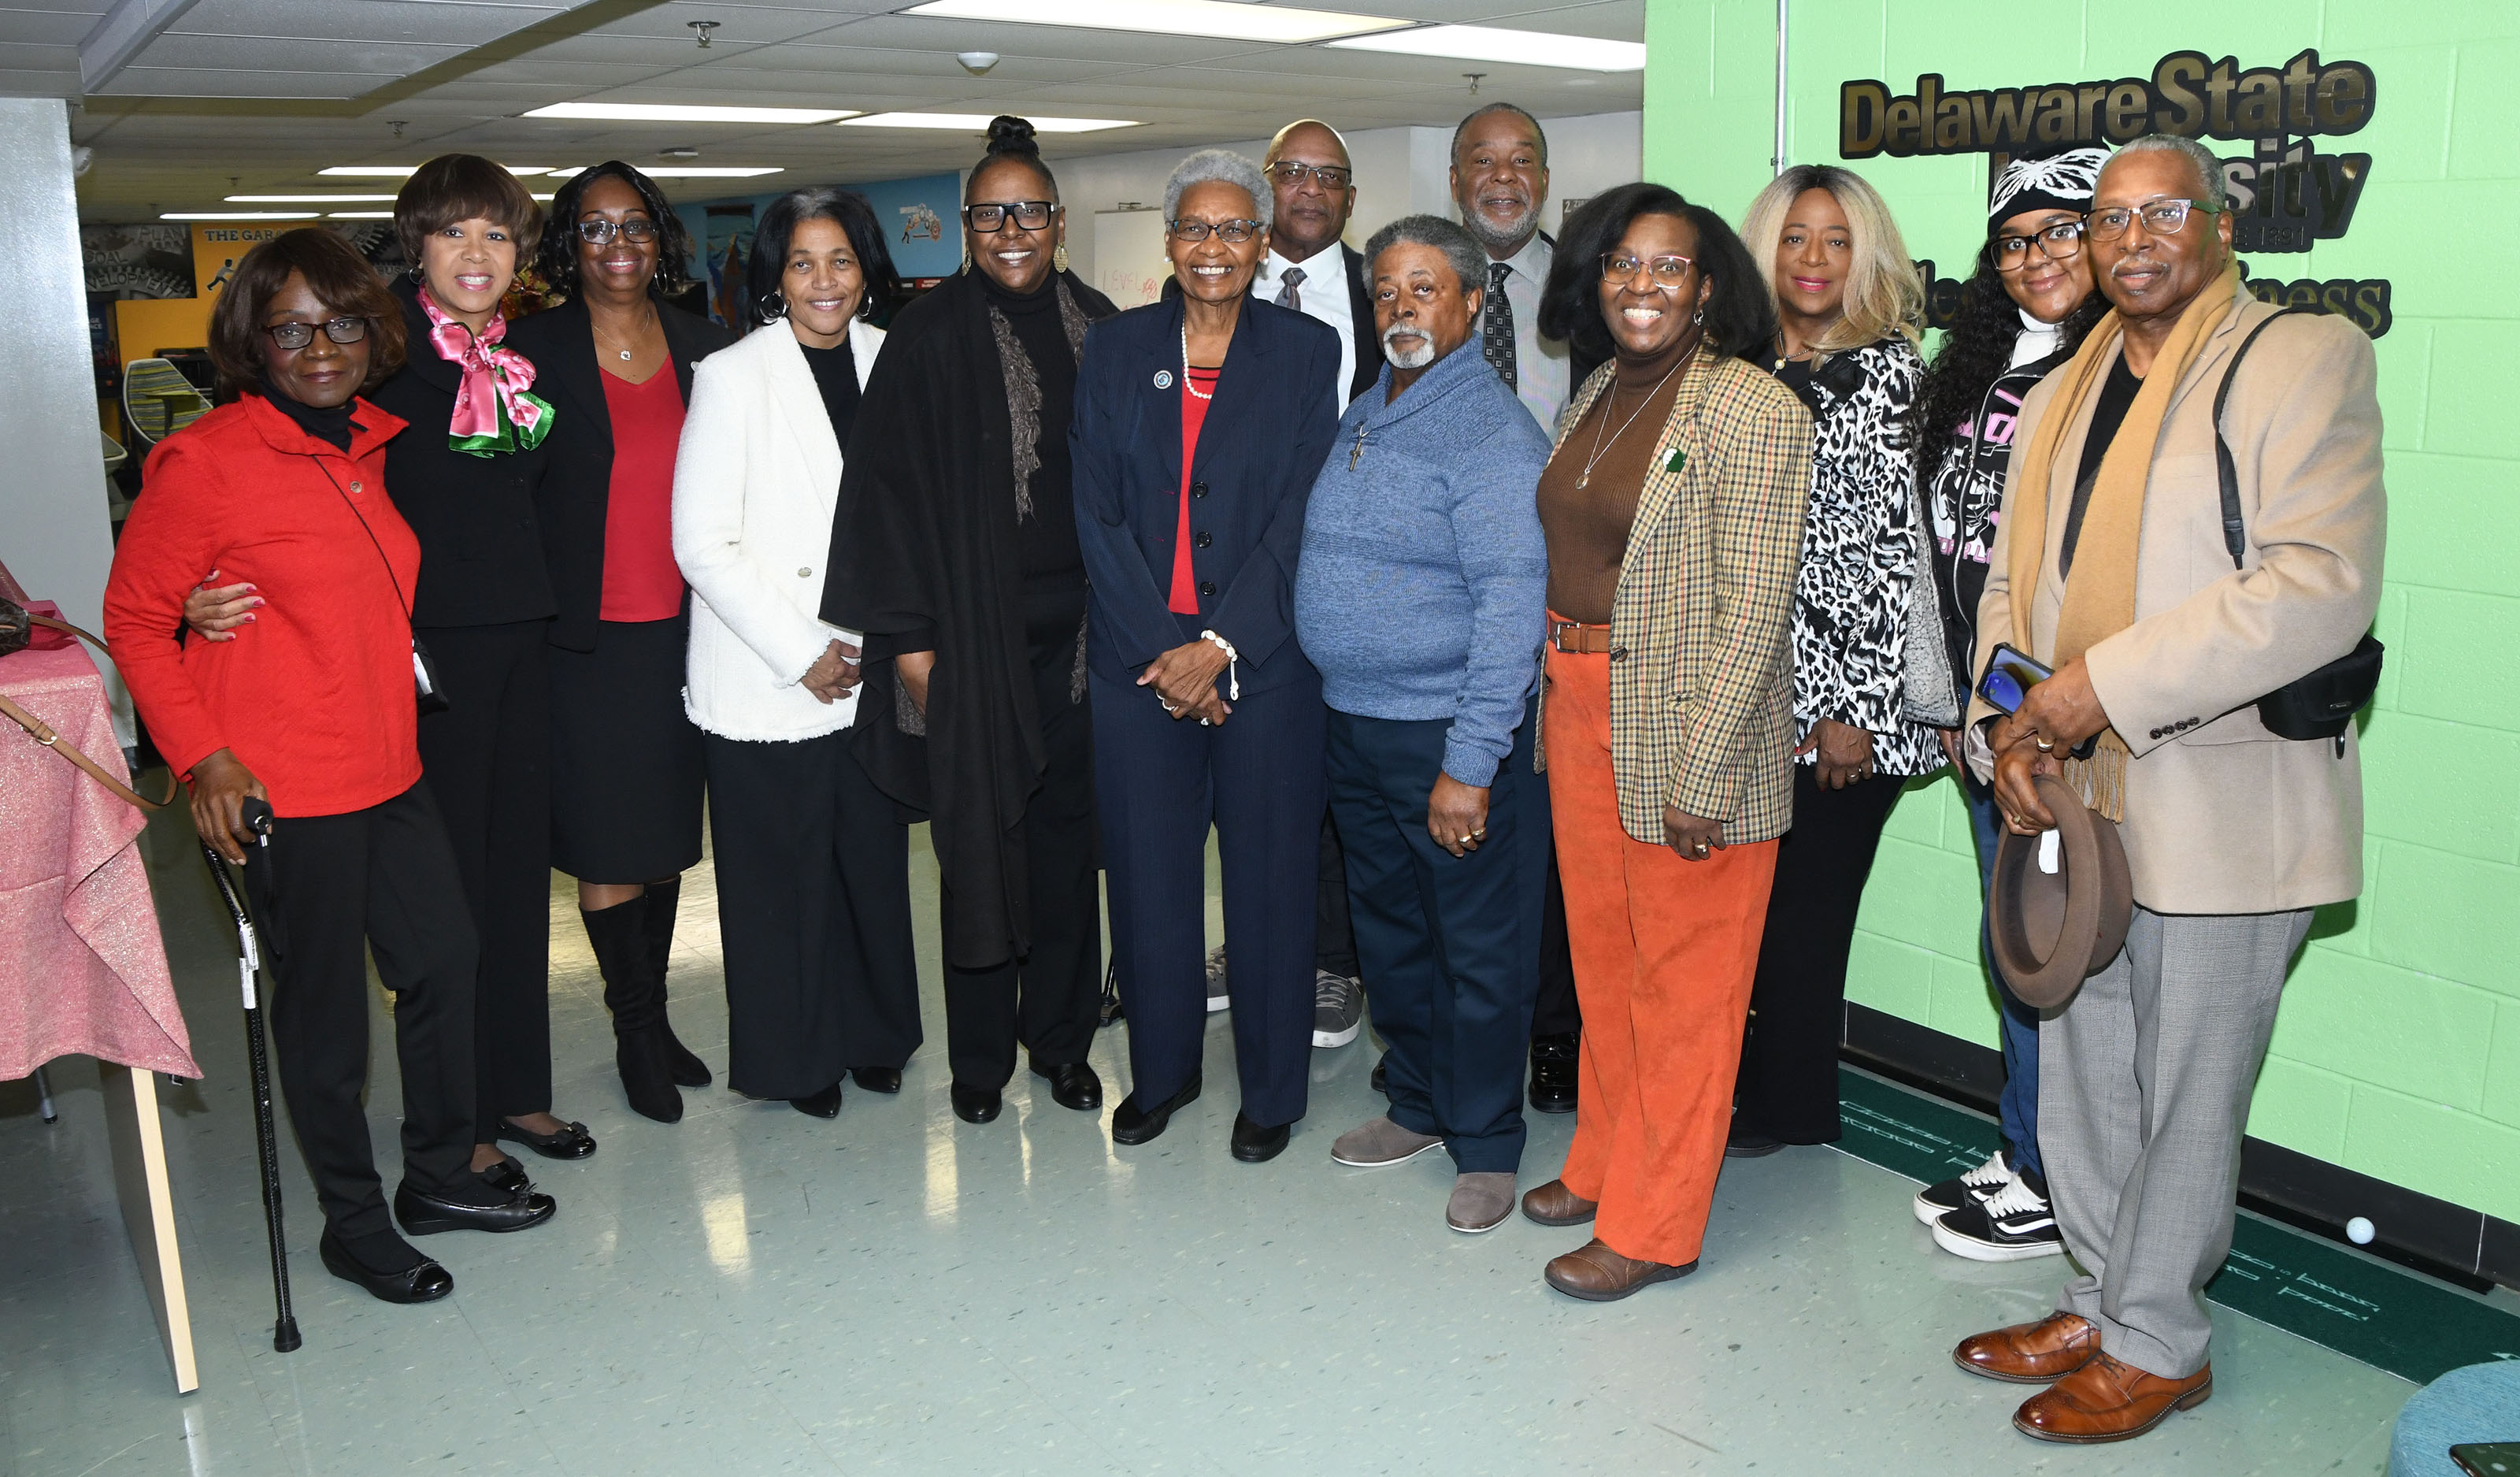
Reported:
(332, 426)
(1054, 563)
(836, 375)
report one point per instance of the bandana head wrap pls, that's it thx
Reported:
(495, 409)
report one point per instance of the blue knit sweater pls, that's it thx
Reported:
(1422, 591)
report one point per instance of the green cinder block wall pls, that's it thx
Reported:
(2397, 1053)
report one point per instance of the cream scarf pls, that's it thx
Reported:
(2099, 593)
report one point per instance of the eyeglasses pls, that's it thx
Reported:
(2061, 242)
(299, 334)
(1231, 232)
(602, 232)
(2161, 217)
(1027, 214)
(1668, 271)
(1287, 171)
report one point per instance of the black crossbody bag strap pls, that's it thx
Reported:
(428, 692)
(2235, 533)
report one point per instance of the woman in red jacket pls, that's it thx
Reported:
(284, 486)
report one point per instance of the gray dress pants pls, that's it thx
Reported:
(2143, 1095)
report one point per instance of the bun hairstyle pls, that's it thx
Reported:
(1012, 137)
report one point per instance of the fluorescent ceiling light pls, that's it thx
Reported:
(1494, 43)
(688, 112)
(398, 171)
(238, 215)
(681, 171)
(361, 215)
(1178, 17)
(979, 122)
(310, 200)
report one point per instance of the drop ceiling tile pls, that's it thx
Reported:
(41, 27)
(458, 23)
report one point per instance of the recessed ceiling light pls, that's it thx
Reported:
(398, 171)
(979, 122)
(688, 112)
(238, 215)
(1494, 43)
(360, 216)
(1179, 18)
(309, 200)
(680, 171)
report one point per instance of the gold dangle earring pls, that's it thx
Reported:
(1059, 257)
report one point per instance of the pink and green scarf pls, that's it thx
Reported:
(495, 407)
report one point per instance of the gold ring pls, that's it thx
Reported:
(1467, 840)
(2042, 745)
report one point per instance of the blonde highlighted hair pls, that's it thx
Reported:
(1883, 293)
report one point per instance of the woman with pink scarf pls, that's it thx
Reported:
(465, 476)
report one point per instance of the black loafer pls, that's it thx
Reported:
(1745, 1144)
(878, 1079)
(1254, 1144)
(424, 1283)
(822, 1104)
(506, 1177)
(977, 1104)
(1552, 1073)
(570, 1142)
(428, 1215)
(1073, 1086)
(1132, 1124)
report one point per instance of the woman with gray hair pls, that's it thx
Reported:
(1200, 424)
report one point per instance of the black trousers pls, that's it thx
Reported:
(1333, 935)
(327, 890)
(813, 914)
(1450, 943)
(1050, 999)
(1161, 782)
(1787, 1086)
(486, 760)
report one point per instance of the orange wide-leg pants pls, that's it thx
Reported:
(1665, 950)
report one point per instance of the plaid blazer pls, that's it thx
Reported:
(1701, 656)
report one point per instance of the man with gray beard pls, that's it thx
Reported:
(1500, 184)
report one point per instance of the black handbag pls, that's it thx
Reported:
(2319, 704)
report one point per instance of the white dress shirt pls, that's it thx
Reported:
(1540, 366)
(1324, 295)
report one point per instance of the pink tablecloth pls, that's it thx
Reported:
(82, 968)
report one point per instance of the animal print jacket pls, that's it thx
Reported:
(1860, 556)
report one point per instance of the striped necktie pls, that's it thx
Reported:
(1498, 344)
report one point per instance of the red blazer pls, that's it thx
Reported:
(316, 695)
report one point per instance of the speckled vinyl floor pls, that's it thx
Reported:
(753, 1291)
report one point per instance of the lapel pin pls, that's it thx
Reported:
(1163, 378)
(1679, 455)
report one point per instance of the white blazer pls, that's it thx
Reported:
(755, 481)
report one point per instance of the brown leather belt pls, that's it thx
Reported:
(1576, 639)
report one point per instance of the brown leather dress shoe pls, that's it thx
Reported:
(2031, 1354)
(2108, 1401)
(1553, 1204)
(1598, 1274)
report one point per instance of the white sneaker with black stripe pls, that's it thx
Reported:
(2015, 1226)
(1976, 1187)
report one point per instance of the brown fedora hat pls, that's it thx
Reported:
(2053, 931)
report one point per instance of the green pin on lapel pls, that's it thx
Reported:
(1673, 462)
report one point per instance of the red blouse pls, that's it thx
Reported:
(641, 581)
(1183, 599)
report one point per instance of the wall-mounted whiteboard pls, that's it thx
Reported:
(1129, 263)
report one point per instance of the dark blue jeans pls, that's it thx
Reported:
(2017, 1110)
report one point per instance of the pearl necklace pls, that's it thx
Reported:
(1188, 383)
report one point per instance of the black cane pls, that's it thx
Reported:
(258, 818)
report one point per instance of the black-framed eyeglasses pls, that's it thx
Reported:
(1027, 214)
(1667, 271)
(2161, 217)
(1287, 171)
(299, 334)
(1231, 232)
(601, 232)
(2061, 242)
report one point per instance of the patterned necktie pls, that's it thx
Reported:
(1291, 296)
(1499, 338)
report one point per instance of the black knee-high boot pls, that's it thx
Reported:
(664, 899)
(634, 994)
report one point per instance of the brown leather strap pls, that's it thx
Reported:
(42, 733)
(1576, 639)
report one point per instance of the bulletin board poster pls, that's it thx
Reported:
(217, 249)
(920, 221)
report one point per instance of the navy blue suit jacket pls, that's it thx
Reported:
(1261, 446)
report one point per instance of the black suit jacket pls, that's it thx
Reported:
(480, 545)
(1360, 307)
(1264, 441)
(577, 486)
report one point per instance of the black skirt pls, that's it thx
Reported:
(627, 770)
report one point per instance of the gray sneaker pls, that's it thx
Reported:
(1339, 1009)
(1217, 997)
